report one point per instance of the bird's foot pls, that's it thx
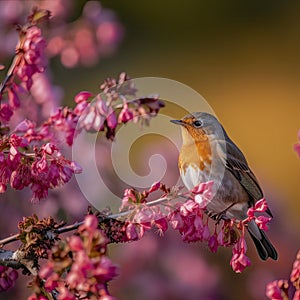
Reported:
(220, 215)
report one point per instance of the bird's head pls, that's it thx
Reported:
(199, 126)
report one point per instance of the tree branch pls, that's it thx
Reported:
(102, 218)
(6, 259)
(10, 239)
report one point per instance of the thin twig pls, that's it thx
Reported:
(9, 239)
(69, 227)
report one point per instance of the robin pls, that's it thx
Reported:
(207, 154)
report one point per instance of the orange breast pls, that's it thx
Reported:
(197, 154)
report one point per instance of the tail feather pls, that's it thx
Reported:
(268, 246)
(263, 245)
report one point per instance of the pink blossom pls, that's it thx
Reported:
(13, 275)
(273, 291)
(17, 141)
(239, 260)
(89, 119)
(51, 282)
(297, 295)
(213, 243)
(20, 177)
(251, 214)
(161, 224)
(83, 96)
(84, 261)
(295, 274)
(13, 99)
(90, 223)
(187, 207)
(144, 216)
(80, 108)
(63, 121)
(111, 120)
(154, 187)
(8, 278)
(128, 200)
(203, 193)
(220, 238)
(279, 289)
(105, 270)
(25, 126)
(101, 106)
(176, 220)
(75, 243)
(188, 219)
(107, 297)
(65, 294)
(262, 222)
(25, 72)
(49, 148)
(74, 277)
(39, 191)
(206, 233)
(46, 271)
(131, 232)
(75, 167)
(40, 165)
(34, 59)
(5, 112)
(46, 169)
(126, 114)
(198, 223)
(261, 205)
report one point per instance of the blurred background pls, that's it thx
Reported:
(243, 58)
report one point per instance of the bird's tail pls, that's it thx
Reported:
(264, 247)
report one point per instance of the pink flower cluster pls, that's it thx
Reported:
(282, 289)
(105, 112)
(8, 278)
(189, 218)
(58, 128)
(30, 157)
(12, 103)
(239, 260)
(43, 169)
(83, 258)
(30, 59)
(143, 216)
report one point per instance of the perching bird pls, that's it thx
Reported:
(207, 154)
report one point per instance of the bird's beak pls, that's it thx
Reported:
(177, 122)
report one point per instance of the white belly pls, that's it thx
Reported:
(193, 176)
(225, 192)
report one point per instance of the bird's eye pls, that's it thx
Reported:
(197, 124)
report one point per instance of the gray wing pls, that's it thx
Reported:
(238, 166)
(236, 163)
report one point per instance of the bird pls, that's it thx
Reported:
(208, 153)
